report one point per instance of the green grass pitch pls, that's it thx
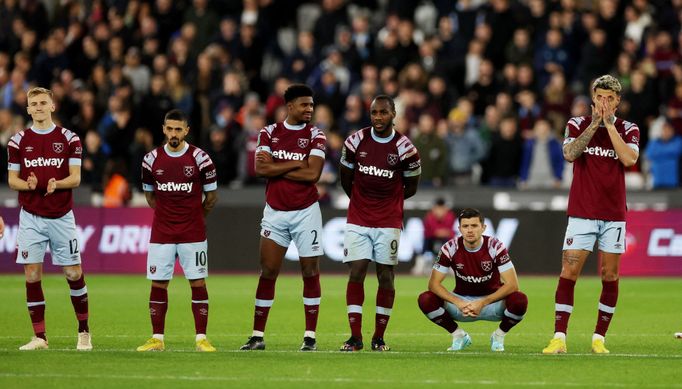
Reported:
(643, 350)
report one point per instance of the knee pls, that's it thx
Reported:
(429, 302)
(310, 271)
(32, 276)
(73, 274)
(385, 279)
(268, 271)
(609, 274)
(517, 303)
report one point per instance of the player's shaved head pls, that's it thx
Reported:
(387, 99)
(297, 90)
(468, 213)
(175, 114)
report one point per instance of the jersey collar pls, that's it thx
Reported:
(380, 139)
(293, 126)
(175, 154)
(46, 131)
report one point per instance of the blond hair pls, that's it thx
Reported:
(38, 91)
(607, 82)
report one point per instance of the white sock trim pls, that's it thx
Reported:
(598, 337)
(312, 300)
(199, 301)
(158, 336)
(355, 309)
(560, 335)
(309, 334)
(199, 337)
(384, 311)
(259, 334)
(264, 303)
(79, 292)
(459, 333)
(34, 303)
(606, 308)
(434, 314)
(563, 308)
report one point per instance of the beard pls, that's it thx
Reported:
(174, 142)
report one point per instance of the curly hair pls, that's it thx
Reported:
(607, 82)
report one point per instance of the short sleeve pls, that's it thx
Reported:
(631, 136)
(75, 151)
(318, 143)
(443, 261)
(207, 172)
(147, 176)
(410, 162)
(265, 140)
(13, 153)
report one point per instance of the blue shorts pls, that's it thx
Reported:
(490, 312)
(581, 234)
(193, 258)
(303, 227)
(379, 245)
(35, 232)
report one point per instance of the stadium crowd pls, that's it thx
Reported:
(482, 88)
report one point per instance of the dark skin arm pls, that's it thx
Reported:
(346, 176)
(410, 185)
(267, 167)
(308, 173)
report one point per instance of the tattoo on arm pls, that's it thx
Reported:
(574, 149)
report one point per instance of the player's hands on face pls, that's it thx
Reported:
(2, 227)
(51, 186)
(609, 114)
(32, 181)
(596, 113)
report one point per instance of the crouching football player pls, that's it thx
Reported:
(486, 286)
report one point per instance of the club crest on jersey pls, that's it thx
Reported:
(569, 241)
(303, 143)
(58, 147)
(392, 159)
(152, 269)
(487, 265)
(189, 171)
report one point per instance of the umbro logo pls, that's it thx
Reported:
(158, 172)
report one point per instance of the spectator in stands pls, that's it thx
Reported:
(465, 149)
(433, 152)
(504, 157)
(94, 162)
(439, 224)
(664, 154)
(542, 161)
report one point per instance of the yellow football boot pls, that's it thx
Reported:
(556, 346)
(152, 344)
(204, 345)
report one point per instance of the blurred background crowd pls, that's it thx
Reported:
(483, 88)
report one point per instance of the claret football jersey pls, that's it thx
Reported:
(287, 142)
(379, 165)
(48, 154)
(178, 180)
(598, 187)
(477, 272)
